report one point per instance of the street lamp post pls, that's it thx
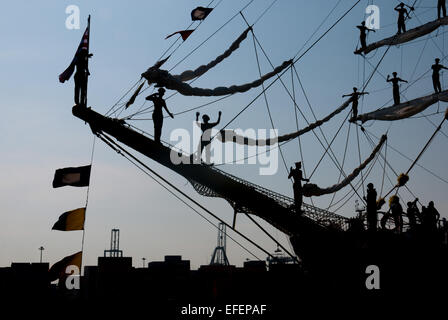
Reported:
(41, 249)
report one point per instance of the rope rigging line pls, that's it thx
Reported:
(87, 202)
(297, 128)
(328, 147)
(185, 195)
(228, 21)
(209, 37)
(175, 195)
(342, 165)
(264, 92)
(411, 160)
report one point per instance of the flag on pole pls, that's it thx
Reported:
(58, 270)
(183, 33)
(84, 45)
(71, 220)
(158, 64)
(75, 177)
(200, 13)
(134, 96)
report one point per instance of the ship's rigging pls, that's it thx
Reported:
(313, 217)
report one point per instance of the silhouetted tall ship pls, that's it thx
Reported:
(334, 251)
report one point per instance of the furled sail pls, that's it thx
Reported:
(404, 110)
(310, 190)
(232, 136)
(190, 74)
(406, 36)
(163, 78)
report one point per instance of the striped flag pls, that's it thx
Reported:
(83, 45)
(71, 220)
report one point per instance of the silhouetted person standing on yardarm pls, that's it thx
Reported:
(436, 68)
(396, 86)
(363, 34)
(297, 176)
(372, 216)
(206, 128)
(441, 7)
(157, 114)
(355, 96)
(402, 15)
(81, 75)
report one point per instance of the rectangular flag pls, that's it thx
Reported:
(183, 33)
(75, 177)
(200, 13)
(84, 45)
(71, 220)
(58, 270)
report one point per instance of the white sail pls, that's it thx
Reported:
(404, 110)
(163, 78)
(232, 136)
(406, 36)
(190, 74)
(311, 190)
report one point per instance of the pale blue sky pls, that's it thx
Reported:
(39, 134)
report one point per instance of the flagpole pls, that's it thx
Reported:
(91, 157)
(88, 52)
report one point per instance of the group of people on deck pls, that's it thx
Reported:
(427, 219)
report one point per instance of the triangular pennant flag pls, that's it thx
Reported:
(71, 220)
(58, 270)
(75, 177)
(134, 96)
(183, 33)
(158, 64)
(200, 13)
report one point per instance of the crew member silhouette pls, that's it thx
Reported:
(363, 34)
(157, 114)
(297, 175)
(372, 216)
(412, 213)
(396, 87)
(206, 128)
(441, 7)
(433, 215)
(81, 75)
(397, 213)
(436, 68)
(355, 96)
(402, 15)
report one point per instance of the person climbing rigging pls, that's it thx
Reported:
(206, 128)
(396, 87)
(402, 15)
(157, 114)
(297, 175)
(441, 7)
(363, 34)
(397, 213)
(81, 75)
(372, 216)
(355, 96)
(436, 68)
